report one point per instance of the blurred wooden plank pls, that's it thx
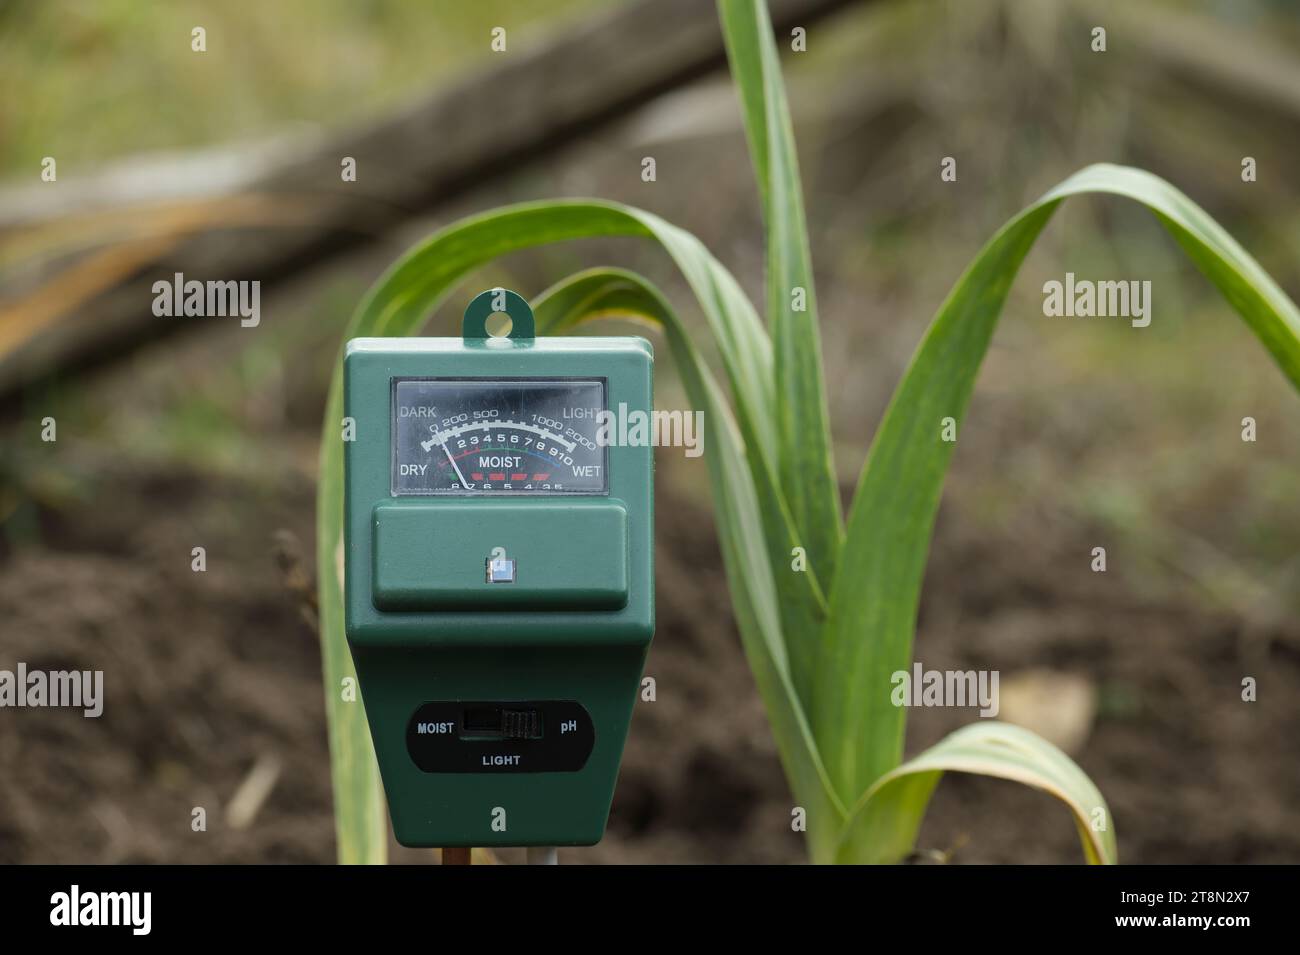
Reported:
(531, 103)
(1210, 53)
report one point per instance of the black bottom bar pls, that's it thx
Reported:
(924, 903)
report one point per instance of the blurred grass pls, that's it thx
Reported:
(115, 77)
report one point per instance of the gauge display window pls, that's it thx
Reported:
(498, 436)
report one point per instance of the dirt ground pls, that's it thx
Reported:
(217, 671)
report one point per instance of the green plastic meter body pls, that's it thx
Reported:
(498, 574)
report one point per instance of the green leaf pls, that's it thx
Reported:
(874, 596)
(360, 829)
(601, 293)
(398, 305)
(884, 823)
(805, 468)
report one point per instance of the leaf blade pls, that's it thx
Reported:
(883, 825)
(805, 469)
(360, 830)
(874, 598)
(741, 525)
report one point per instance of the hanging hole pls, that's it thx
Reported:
(498, 325)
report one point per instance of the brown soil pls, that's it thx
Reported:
(209, 673)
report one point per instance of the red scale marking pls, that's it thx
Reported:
(518, 477)
(541, 477)
(496, 476)
(476, 475)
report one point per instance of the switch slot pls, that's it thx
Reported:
(481, 722)
(484, 721)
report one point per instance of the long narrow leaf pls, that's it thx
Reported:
(360, 830)
(601, 293)
(884, 824)
(805, 467)
(874, 597)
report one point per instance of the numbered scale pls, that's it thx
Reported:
(506, 436)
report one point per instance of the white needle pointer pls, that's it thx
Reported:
(463, 482)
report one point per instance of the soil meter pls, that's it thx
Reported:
(499, 574)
